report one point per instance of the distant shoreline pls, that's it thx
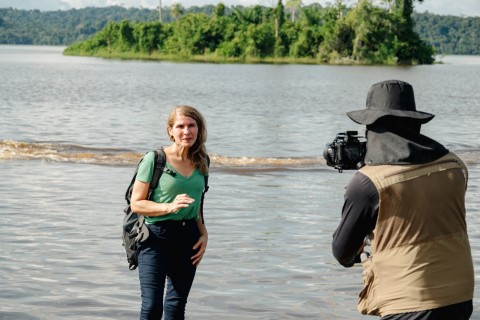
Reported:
(208, 58)
(439, 59)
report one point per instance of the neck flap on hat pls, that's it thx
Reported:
(394, 143)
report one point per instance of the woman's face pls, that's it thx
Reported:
(184, 131)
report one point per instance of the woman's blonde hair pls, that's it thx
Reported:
(198, 152)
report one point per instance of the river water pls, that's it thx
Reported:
(73, 128)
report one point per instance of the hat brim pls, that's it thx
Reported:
(367, 117)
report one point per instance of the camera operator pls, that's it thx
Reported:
(409, 202)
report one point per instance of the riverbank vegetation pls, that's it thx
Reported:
(363, 34)
(447, 34)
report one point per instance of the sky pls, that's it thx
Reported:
(469, 8)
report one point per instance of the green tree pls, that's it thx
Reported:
(374, 40)
(187, 36)
(148, 36)
(279, 17)
(219, 10)
(234, 47)
(261, 41)
(309, 34)
(109, 35)
(125, 35)
(177, 10)
(410, 49)
(293, 6)
(328, 50)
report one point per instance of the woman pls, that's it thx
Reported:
(178, 238)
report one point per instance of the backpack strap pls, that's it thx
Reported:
(159, 166)
(205, 177)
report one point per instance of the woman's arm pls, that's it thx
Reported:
(201, 244)
(141, 205)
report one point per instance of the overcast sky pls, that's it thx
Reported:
(442, 7)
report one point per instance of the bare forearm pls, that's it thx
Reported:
(151, 209)
(202, 228)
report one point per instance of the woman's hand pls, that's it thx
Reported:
(201, 245)
(181, 201)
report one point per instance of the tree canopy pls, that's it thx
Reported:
(361, 34)
(364, 34)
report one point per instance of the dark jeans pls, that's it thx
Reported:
(166, 257)
(458, 311)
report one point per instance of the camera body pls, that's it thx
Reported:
(346, 152)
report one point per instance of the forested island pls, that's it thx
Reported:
(363, 34)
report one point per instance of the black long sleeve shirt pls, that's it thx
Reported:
(359, 216)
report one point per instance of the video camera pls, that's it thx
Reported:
(346, 152)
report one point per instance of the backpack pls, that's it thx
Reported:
(134, 229)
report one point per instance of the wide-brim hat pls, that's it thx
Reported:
(390, 98)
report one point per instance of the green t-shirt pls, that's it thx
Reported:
(170, 186)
